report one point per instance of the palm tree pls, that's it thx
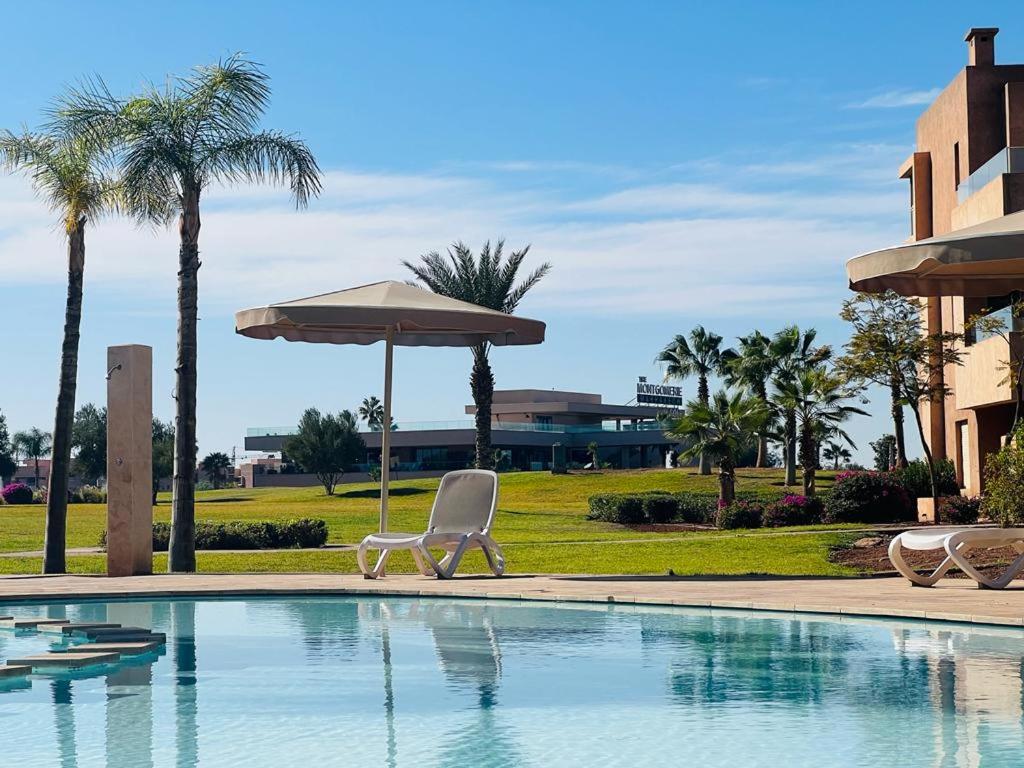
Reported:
(836, 453)
(701, 356)
(750, 368)
(722, 429)
(216, 465)
(67, 175)
(818, 399)
(489, 281)
(796, 353)
(32, 445)
(172, 143)
(371, 410)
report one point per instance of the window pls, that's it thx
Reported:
(956, 164)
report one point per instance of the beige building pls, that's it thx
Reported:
(968, 168)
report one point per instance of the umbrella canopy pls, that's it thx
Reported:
(392, 312)
(984, 260)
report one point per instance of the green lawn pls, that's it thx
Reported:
(541, 523)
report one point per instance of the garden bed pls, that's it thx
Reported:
(870, 554)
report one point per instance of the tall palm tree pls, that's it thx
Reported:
(371, 410)
(172, 144)
(701, 356)
(490, 281)
(750, 368)
(796, 353)
(819, 400)
(32, 445)
(722, 429)
(67, 174)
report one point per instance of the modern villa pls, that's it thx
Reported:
(526, 424)
(968, 168)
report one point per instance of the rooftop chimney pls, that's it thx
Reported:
(981, 46)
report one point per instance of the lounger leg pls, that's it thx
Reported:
(364, 567)
(495, 557)
(958, 551)
(921, 580)
(421, 566)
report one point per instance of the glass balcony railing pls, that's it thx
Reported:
(423, 426)
(1007, 160)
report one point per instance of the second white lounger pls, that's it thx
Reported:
(957, 542)
(461, 519)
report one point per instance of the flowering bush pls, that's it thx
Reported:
(17, 493)
(868, 497)
(739, 514)
(960, 510)
(793, 509)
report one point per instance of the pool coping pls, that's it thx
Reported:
(878, 598)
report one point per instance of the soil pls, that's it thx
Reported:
(872, 556)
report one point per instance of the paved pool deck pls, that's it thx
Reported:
(957, 600)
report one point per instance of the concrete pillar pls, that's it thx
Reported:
(129, 460)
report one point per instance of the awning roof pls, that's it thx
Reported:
(984, 260)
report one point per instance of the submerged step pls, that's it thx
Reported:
(14, 670)
(125, 648)
(134, 636)
(14, 623)
(115, 630)
(67, 629)
(66, 660)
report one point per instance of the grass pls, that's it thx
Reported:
(541, 523)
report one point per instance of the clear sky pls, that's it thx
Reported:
(677, 163)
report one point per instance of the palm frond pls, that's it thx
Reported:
(268, 156)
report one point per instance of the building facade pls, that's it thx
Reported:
(526, 426)
(968, 168)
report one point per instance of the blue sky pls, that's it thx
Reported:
(678, 163)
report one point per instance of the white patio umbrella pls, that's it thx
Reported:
(392, 312)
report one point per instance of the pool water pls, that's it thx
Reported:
(474, 684)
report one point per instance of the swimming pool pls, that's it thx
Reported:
(473, 683)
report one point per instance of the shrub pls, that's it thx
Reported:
(307, 533)
(621, 508)
(661, 508)
(39, 497)
(868, 497)
(960, 510)
(17, 493)
(696, 508)
(89, 494)
(1004, 483)
(739, 514)
(914, 477)
(793, 509)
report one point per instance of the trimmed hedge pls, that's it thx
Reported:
(306, 533)
(659, 507)
(740, 514)
(89, 494)
(621, 508)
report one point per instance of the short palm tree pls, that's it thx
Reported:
(819, 399)
(489, 281)
(700, 356)
(722, 429)
(835, 453)
(67, 174)
(172, 144)
(32, 445)
(750, 368)
(216, 465)
(371, 410)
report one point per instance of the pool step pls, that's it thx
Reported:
(122, 634)
(8, 671)
(66, 660)
(67, 629)
(125, 649)
(13, 623)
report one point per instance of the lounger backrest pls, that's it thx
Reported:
(465, 502)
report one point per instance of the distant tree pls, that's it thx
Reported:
(891, 346)
(836, 453)
(371, 410)
(721, 429)
(885, 452)
(989, 324)
(89, 439)
(8, 461)
(325, 445)
(163, 453)
(700, 357)
(592, 452)
(750, 367)
(216, 465)
(490, 281)
(32, 445)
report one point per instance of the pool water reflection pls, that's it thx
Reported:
(430, 682)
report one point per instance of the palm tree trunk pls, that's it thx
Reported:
(704, 395)
(762, 438)
(726, 481)
(808, 459)
(481, 383)
(60, 461)
(897, 424)
(182, 549)
(790, 447)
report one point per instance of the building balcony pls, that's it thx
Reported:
(1006, 160)
(984, 379)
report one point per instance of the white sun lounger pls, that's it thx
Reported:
(460, 519)
(957, 542)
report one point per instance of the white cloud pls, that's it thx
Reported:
(899, 97)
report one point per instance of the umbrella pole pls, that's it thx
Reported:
(385, 437)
